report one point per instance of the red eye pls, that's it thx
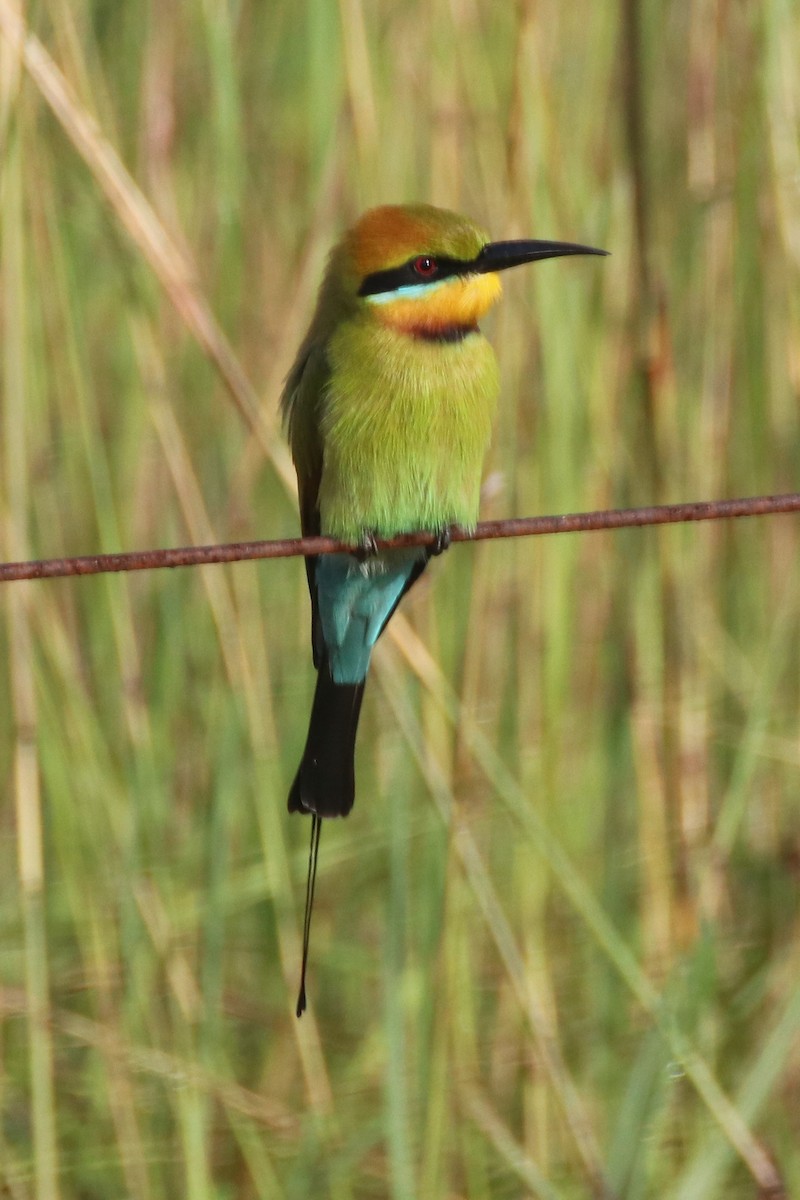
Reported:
(425, 266)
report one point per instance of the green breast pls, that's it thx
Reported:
(405, 426)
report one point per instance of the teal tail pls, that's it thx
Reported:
(325, 780)
(351, 603)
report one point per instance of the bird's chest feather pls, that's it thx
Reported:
(405, 426)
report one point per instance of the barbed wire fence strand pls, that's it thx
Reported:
(584, 522)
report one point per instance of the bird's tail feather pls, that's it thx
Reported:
(325, 780)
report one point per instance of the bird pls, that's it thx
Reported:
(388, 409)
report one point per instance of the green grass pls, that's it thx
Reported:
(555, 951)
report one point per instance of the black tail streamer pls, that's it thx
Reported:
(313, 854)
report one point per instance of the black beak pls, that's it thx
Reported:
(499, 256)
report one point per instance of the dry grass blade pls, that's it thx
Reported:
(26, 767)
(176, 274)
(266, 1112)
(486, 1119)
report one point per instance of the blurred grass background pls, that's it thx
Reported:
(556, 946)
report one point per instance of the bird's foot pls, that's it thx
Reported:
(442, 542)
(367, 546)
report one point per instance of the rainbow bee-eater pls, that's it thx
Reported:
(389, 408)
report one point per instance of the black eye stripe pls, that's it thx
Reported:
(407, 276)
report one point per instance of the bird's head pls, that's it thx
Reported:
(427, 271)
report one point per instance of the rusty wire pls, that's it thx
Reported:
(194, 556)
